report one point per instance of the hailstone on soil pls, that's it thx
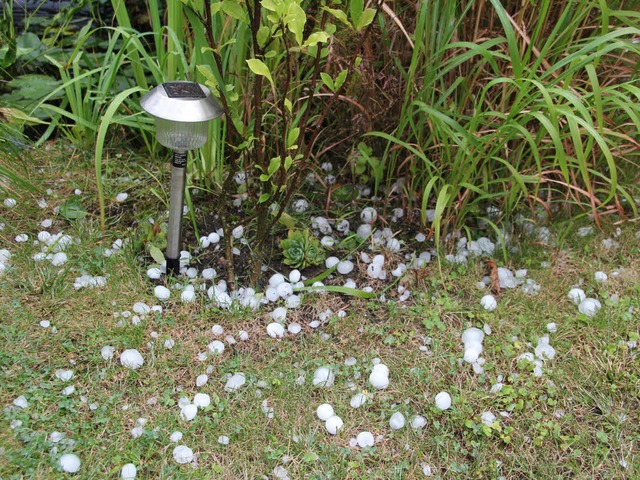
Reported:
(216, 347)
(131, 359)
(333, 424)
(443, 401)
(275, 330)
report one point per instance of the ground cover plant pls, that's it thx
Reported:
(412, 247)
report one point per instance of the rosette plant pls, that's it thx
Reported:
(301, 249)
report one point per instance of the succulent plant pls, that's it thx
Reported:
(301, 249)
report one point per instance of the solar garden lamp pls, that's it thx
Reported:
(182, 111)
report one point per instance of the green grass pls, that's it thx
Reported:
(578, 420)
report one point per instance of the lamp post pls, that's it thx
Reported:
(182, 111)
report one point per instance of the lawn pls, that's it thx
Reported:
(544, 391)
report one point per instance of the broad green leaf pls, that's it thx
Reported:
(315, 38)
(269, 5)
(356, 7)
(292, 137)
(264, 197)
(288, 105)
(155, 253)
(295, 20)
(288, 161)
(233, 9)
(339, 14)
(259, 68)
(328, 81)
(367, 17)
(263, 35)
(274, 165)
(287, 220)
(72, 209)
(342, 76)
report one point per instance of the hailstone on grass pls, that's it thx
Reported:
(590, 307)
(379, 376)
(358, 400)
(64, 375)
(489, 302)
(183, 454)
(202, 400)
(21, 402)
(576, 295)
(275, 330)
(175, 436)
(325, 411)
(189, 412)
(396, 422)
(69, 463)
(600, 277)
(368, 215)
(107, 352)
(345, 267)
(365, 439)
(162, 293)
(216, 347)
(333, 424)
(294, 328)
(128, 472)
(323, 377)
(418, 422)
(235, 382)
(443, 401)
(201, 380)
(131, 359)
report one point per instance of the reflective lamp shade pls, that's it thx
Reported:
(182, 111)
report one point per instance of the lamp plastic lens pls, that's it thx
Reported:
(181, 136)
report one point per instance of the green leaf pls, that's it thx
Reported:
(356, 7)
(155, 253)
(315, 38)
(72, 209)
(292, 137)
(233, 9)
(354, 292)
(328, 81)
(288, 105)
(339, 14)
(342, 76)
(274, 165)
(287, 220)
(264, 197)
(263, 35)
(295, 20)
(259, 68)
(367, 17)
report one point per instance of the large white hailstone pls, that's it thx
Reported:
(217, 329)
(552, 327)
(487, 418)
(365, 439)
(279, 314)
(68, 390)
(162, 293)
(58, 259)
(69, 463)
(132, 359)
(183, 454)
(364, 230)
(472, 334)
(202, 400)
(141, 308)
(275, 330)
(107, 352)
(393, 245)
(238, 232)
(295, 276)
(590, 307)
(576, 295)
(600, 277)
(368, 215)
(20, 402)
(128, 472)
(235, 382)
(379, 376)
(10, 202)
(418, 422)
(244, 336)
(293, 301)
(325, 411)
(323, 377)
(358, 400)
(443, 401)
(506, 277)
(189, 412)
(276, 279)
(284, 290)
(294, 328)
(121, 197)
(154, 273)
(44, 237)
(175, 436)
(545, 351)
(472, 351)
(331, 262)
(209, 273)
(300, 205)
(188, 295)
(333, 424)
(396, 422)
(489, 302)
(216, 346)
(64, 375)
(202, 380)
(272, 294)
(22, 237)
(219, 296)
(345, 267)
